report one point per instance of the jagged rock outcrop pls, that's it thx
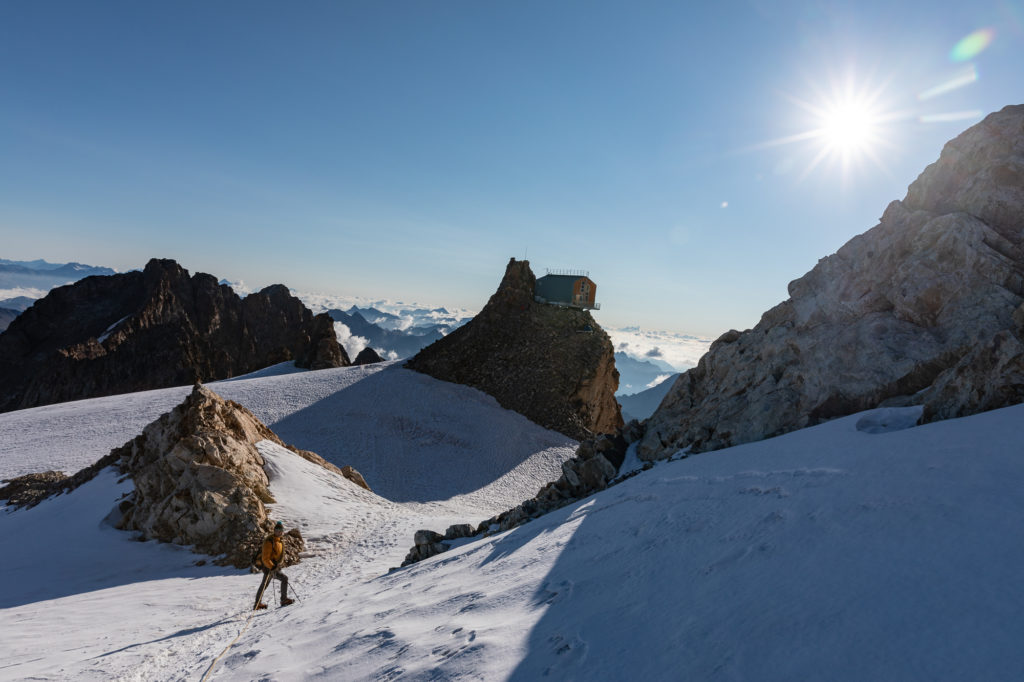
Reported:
(925, 308)
(592, 469)
(367, 356)
(554, 365)
(31, 489)
(199, 479)
(152, 329)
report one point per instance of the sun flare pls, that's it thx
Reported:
(848, 127)
(848, 124)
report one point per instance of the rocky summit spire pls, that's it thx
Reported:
(554, 365)
(924, 309)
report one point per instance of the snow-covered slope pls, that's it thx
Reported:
(849, 551)
(864, 548)
(412, 437)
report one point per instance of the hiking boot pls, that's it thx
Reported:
(286, 601)
(261, 605)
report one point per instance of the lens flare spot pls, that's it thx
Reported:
(972, 115)
(958, 80)
(972, 45)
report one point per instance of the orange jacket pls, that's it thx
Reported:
(273, 552)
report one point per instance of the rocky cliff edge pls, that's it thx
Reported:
(554, 365)
(924, 308)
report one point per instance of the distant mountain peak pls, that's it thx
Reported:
(150, 329)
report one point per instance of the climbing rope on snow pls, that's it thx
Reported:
(248, 622)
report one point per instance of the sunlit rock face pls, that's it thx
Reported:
(200, 479)
(924, 308)
(152, 329)
(553, 365)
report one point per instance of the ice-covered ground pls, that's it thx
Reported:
(865, 548)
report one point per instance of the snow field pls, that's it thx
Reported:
(413, 438)
(864, 548)
(78, 581)
(834, 552)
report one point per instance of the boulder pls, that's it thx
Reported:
(459, 530)
(428, 544)
(427, 537)
(354, 476)
(595, 474)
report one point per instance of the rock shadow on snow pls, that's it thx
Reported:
(415, 438)
(66, 548)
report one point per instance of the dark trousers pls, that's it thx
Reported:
(282, 577)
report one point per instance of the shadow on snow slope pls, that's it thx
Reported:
(63, 547)
(417, 439)
(829, 553)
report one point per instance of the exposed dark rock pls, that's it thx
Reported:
(426, 537)
(7, 316)
(31, 489)
(925, 308)
(460, 530)
(152, 329)
(367, 356)
(532, 359)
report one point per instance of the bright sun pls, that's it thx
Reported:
(848, 127)
(847, 124)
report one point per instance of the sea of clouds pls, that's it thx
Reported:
(681, 351)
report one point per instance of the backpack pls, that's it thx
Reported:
(257, 557)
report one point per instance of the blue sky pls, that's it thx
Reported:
(406, 150)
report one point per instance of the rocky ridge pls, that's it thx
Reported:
(924, 308)
(199, 479)
(156, 328)
(593, 468)
(553, 365)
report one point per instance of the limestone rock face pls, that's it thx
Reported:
(924, 308)
(554, 365)
(152, 329)
(199, 479)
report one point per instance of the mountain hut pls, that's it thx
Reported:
(574, 289)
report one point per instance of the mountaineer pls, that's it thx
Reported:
(270, 561)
